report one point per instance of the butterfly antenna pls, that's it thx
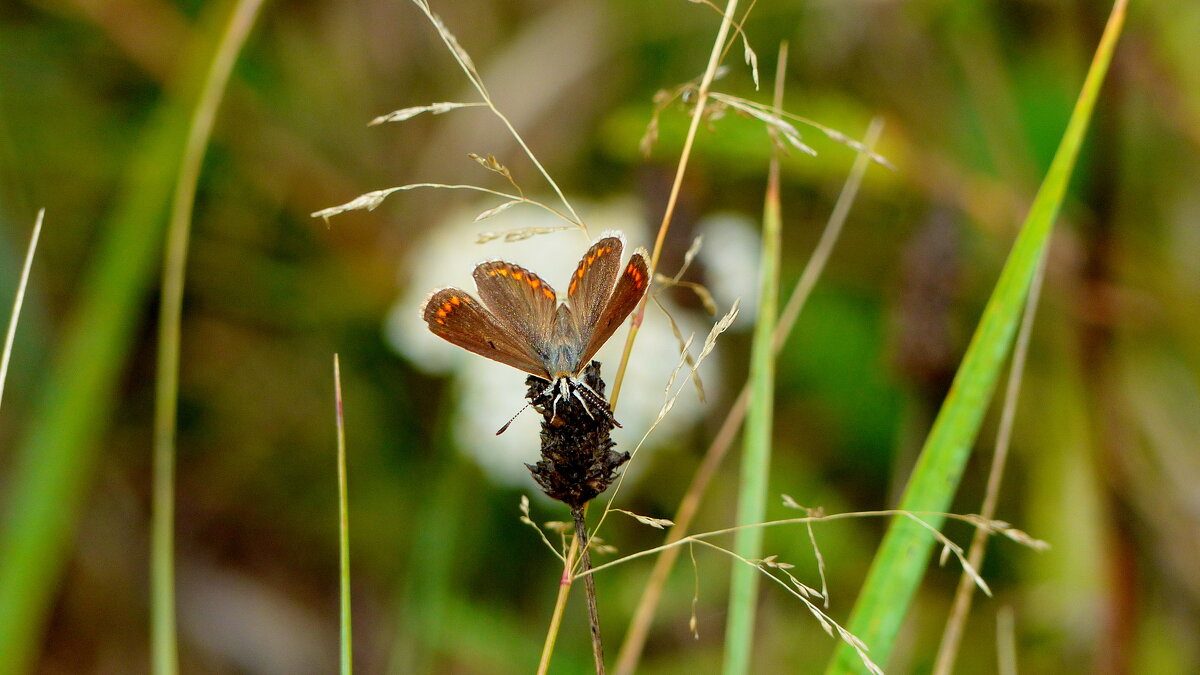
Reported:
(599, 402)
(511, 420)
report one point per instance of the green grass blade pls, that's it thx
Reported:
(904, 554)
(53, 465)
(347, 661)
(233, 33)
(756, 446)
(18, 300)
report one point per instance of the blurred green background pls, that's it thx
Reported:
(975, 96)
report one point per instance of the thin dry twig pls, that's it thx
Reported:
(526, 519)
(683, 349)
(670, 397)
(517, 234)
(468, 67)
(812, 538)
(991, 527)
(371, 200)
(746, 105)
(433, 109)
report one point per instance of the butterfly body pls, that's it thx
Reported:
(519, 321)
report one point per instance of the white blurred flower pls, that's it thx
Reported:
(489, 392)
(732, 247)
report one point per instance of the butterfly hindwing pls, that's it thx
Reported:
(592, 282)
(624, 298)
(460, 319)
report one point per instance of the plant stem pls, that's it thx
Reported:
(589, 586)
(560, 605)
(714, 60)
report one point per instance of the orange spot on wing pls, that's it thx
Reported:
(502, 272)
(548, 293)
(579, 272)
(571, 290)
(441, 313)
(442, 321)
(456, 300)
(517, 275)
(534, 282)
(446, 307)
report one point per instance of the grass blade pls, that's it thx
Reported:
(19, 300)
(54, 463)
(952, 633)
(53, 466)
(904, 554)
(756, 449)
(347, 651)
(164, 654)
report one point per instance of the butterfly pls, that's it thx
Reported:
(520, 322)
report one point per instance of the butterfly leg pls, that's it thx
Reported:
(554, 401)
(583, 402)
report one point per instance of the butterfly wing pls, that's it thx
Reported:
(592, 284)
(624, 298)
(460, 319)
(519, 299)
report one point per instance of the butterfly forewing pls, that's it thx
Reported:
(592, 283)
(625, 297)
(456, 317)
(519, 299)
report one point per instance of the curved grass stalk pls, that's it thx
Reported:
(164, 654)
(468, 67)
(925, 517)
(371, 200)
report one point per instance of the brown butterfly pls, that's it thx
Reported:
(520, 322)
